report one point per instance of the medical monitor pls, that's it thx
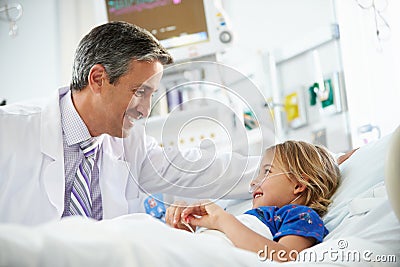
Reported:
(187, 28)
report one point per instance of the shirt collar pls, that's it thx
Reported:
(74, 128)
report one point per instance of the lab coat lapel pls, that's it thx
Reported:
(113, 179)
(52, 147)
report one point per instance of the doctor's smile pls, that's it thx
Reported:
(131, 118)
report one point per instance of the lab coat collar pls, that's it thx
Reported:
(114, 146)
(51, 144)
(114, 168)
(50, 133)
(115, 175)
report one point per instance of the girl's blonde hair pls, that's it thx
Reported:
(312, 166)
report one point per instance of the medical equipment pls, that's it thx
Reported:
(367, 133)
(192, 29)
(257, 184)
(188, 226)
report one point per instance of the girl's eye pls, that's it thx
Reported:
(267, 171)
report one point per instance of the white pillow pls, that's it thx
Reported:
(361, 173)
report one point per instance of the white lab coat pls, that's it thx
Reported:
(32, 181)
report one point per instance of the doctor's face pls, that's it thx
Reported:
(130, 97)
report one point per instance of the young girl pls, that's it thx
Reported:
(291, 192)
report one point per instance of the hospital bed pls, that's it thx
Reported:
(364, 231)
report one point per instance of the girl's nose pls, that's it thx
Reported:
(253, 186)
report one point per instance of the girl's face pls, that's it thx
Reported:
(277, 189)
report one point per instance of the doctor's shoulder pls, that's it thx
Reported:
(19, 118)
(25, 108)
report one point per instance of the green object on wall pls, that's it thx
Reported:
(313, 94)
(329, 101)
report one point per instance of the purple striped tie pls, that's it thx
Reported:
(81, 203)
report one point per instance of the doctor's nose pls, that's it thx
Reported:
(144, 108)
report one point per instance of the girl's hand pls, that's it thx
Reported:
(173, 216)
(205, 214)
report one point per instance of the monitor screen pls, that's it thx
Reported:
(175, 23)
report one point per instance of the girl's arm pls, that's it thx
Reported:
(214, 217)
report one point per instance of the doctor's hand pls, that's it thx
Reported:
(205, 214)
(173, 216)
(345, 156)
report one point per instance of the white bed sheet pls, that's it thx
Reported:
(141, 240)
(132, 240)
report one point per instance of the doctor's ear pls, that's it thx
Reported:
(96, 77)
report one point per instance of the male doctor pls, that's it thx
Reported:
(81, 152)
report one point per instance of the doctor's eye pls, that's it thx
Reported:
(139, 93)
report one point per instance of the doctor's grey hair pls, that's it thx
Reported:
(114, 45)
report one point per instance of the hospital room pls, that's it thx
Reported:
(199, 133)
